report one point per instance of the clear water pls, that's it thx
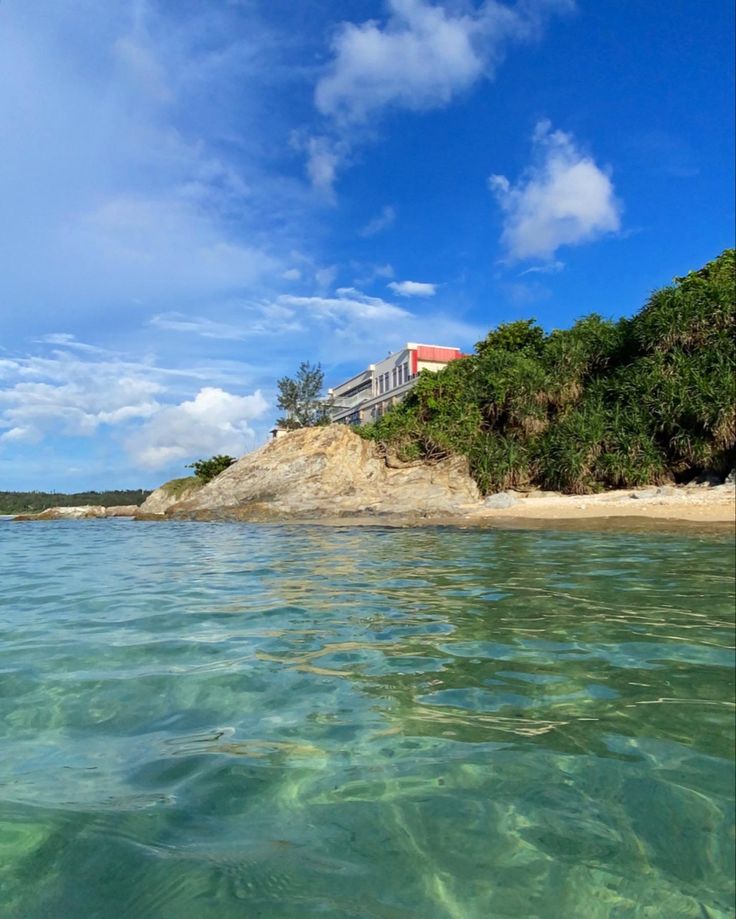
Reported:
(230, 721)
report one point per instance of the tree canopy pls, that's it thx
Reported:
(301, 398)
(602, 404)
(206, 469)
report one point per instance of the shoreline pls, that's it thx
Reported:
(673, 509)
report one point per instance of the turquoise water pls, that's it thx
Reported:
(229, 721)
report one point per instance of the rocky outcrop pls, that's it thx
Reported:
(122, 510)
(169, 494)
(82, 512)
(329, 472)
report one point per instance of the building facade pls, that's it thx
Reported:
(370, 393)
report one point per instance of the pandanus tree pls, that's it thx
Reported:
(601, 404)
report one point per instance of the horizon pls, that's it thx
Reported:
(200, 197)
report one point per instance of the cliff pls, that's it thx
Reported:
(328, 472)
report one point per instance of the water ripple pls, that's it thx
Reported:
(220, 720)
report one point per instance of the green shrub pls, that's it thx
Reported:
(206, 470)
(601, 404)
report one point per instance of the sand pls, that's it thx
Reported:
(696, 504)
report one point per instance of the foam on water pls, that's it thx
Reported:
(224, 721)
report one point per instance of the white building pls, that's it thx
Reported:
(370, 393)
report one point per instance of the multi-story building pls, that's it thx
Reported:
(370, 393)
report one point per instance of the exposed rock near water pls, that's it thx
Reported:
(82, 512)
(328, 472)
(501, 500)
(169, 494)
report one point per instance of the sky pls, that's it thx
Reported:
(197, 196)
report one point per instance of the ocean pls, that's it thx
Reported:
(224, 720)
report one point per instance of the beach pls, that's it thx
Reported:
(689, 504)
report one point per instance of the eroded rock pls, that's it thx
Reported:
(328, 472)
(169, 494)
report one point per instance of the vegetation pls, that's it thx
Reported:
(177, 487)
(31, 502)
(205, 470)
(301, 398)
(602, 404)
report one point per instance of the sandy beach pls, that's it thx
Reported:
(694, 504)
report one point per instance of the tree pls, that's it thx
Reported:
(301, 398)
(205, 470)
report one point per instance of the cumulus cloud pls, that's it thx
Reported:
(74, 401)
(413, 288)
(380, 222)
(563, 199)
(65, 395)
(422, 56)
(214, 421)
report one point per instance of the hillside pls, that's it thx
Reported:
(603, 404)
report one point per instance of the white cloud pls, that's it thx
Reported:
(413, 288)
(549, 268)
(323, 159)
(199, 325)
(124, 184)
(422, 56)
(381, 222)
(349, 304)
(73, 398)
(325, 277)
(563, 199)
(214, 421)
(292, 274)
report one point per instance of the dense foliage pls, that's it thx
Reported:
(22, 502)
(206, 469)
(602, 404)
(301, 398)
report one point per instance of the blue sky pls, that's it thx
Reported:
(198, 195)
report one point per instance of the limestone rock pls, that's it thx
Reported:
(66, 513)
(501, 500)
(122, 510)
(169, 494)
(329, 472)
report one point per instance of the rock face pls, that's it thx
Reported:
(66, 513)
(122, 510)
(169, 494)
(82, 512)
(328, 472)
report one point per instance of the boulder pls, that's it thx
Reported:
(500, 500)
(329, 472)
(122, 510)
